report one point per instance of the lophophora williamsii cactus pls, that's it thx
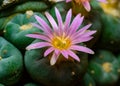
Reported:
(104, 68)
(58, 57)
(110, 38)
(11, 63)
(64, 36)
(9, 8)
(19, 26)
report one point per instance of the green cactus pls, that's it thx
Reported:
(103, 67)
(11, 63)
(32, 84)
(18, 27)
(110, 38)
(88, 80)
(37, 6)
(65, 73)
(119, 63)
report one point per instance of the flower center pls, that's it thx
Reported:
(61, 42)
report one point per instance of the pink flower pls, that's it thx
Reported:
(85, 3)
(62, 38)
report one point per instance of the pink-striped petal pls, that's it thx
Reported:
(84, 35)
(43, 24)
(81, 31)
(56, 0)
(68, 19)
(80, 40)
(39, 36)
(73, 55)
(38, 26)
(54, 58)
(88, 33)
(75, 20)
(86, 5)
(52, 21)
(48, 51)
(59, 18)
(64, 53)
(41, 28)
(75, 24)
(68, 1)
(82, 49)
(56, 51)
(38, 45)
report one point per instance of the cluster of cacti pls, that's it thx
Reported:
(59, 43)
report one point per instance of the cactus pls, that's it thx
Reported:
(103, 67)
(18, 28)
(11, 63)
(64, 74)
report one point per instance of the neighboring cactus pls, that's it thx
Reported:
(103, 67)
(11, 63)
(88, 80)
(32, 84)
(119, 63)
(110, 38)
(18, 27)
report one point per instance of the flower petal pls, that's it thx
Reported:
(68, 19)
(51, 20)
(43, 24)
(38, 45)
(54, 58)
(68, 1)
(39, 36)
(48, 51)
(41, 28)
(59, 18)
(88, 33)
(80, 40)
(75, 21)
(73, 55)
(38, 26)
(82, 49)
(80, 31)
(64, 53)
(86, 5)
(56, 0)
(75, 24)
(83, 29)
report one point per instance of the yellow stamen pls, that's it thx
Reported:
(29, 13)
(107, 67)
(90, 84)
(0, 58)
(26, 26)
(61, 42)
